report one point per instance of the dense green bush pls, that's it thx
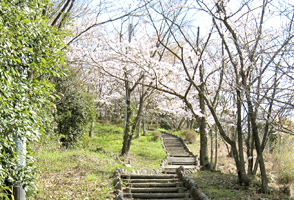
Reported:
(155, 135)
(189, 135)
(75, 108)
(29, 53)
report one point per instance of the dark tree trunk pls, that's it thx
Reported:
(91, 129)
(241, 168)
(128, 136)
(181, 124)
(257, 145)
(250, 145)
(144, 127)
(204, 160)
(216, 150)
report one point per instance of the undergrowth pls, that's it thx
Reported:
(284, 159)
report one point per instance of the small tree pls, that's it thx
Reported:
(75, 107)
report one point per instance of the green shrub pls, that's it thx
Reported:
(155, 135)
(283, 155)
(153, 126)
(189, 135)
(75, 107)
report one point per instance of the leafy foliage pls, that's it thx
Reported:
(29, 52)
(75, 107)
(155, 135)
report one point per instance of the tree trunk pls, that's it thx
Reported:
(144, 127)
(138, 129)
(128, 136)
(192, 124)
(241, 177)
(181, 124)
(257, 146)
(211, 146)
(250, 145)
(91, 129)
(241, 168)
(204, 160)
(216, 150)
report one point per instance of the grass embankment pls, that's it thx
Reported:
(223, 184)
(83, 173)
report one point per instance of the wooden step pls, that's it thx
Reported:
(145, 185)
(156, 195)
(148, 176)
(150, 180)
(155, 190)
(182, 160)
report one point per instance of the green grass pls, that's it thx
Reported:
(83, 173)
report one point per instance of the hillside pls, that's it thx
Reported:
(83, 173)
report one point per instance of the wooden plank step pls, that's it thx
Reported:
(182, 159)
(157, 195)
(173, 144)
(150, 180)
(148, 176)
(145, 185)
(177, 166)
(170, 199)
(179, 154)
(155, 190)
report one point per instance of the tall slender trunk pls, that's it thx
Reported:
(241, 169)
(204, 160)
(211, 145)
(257, 144)
(91, 128)
(250, 145)
(128, 136)
(216, 150)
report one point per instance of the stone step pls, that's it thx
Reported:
(156, 195)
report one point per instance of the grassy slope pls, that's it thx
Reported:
(223, 184)
(83, 173)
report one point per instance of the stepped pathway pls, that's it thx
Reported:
(163, 185)
(178, 154)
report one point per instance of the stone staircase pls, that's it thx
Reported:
(170, 183)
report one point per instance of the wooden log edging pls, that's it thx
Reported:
(190, 184)
(117, 184)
